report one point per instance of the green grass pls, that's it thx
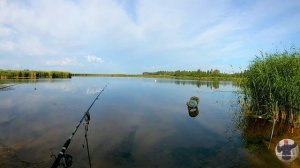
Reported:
(273, 81)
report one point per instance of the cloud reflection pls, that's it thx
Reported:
(92, 91)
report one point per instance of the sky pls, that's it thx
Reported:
(135, 36)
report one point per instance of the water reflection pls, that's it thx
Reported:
(6, 87)
(256, 131)
(193, 113)
(92, 91)
(122, 153)
(213, 84)
(135, 123)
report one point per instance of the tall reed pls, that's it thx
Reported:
(273, 80)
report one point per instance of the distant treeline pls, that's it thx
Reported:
(28, 74)
(199, 74)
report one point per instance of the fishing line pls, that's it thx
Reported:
(85, 117)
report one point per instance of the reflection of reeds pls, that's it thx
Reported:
(6, 87)
(273, 81)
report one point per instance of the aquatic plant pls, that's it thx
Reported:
(272, 82)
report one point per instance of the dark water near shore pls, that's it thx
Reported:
(135, 123)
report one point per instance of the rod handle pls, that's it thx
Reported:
(61, 154)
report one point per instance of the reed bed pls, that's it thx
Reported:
(28, 74)
(272, 83)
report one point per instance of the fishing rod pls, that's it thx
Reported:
(85, 117)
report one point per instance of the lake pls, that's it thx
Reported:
(136, 122)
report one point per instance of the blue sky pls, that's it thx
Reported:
(133, 36)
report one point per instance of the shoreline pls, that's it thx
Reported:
(161, 77)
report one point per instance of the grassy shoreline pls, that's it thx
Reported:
(187, 75)
(14, 74)
(32, 74)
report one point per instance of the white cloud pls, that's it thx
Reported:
(49, 27)
(142, 32)
(64, 62)
(7, 46)
(94, 59)
(5, 31)
(91, 91)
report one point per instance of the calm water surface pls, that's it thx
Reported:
(135, 123)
